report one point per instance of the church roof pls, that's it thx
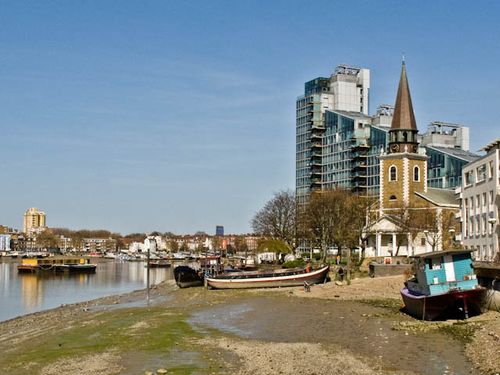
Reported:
(440, 197)
(403, 118)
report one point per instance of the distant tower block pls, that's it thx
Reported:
(33, 220)
(219, 230)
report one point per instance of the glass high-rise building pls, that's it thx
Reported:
(347, 89)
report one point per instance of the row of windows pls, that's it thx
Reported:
(479, 225)
(393, 173)
(480, 200)
(479, 173)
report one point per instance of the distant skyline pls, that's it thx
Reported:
(180, 116)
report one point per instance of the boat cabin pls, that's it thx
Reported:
(441, 272)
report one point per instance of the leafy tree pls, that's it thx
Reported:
(274, 246)
(278, 218)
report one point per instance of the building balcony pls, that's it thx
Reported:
(359, 166)
(317, 127)
(316, 135)
(359, 177)
(361, 146)
(359, 156)
(316, 162)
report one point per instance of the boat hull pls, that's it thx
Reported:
(187, 277)
(454, 304)
(158, 264)
(268, 281)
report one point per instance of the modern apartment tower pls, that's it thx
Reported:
(347, 89)
(447, 146)
(34, 220)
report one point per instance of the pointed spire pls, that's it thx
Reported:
(403, 118)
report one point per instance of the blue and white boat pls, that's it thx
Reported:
(444, 286)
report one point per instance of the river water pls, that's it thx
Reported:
(22, 294)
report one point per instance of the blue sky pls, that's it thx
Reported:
(179, 115)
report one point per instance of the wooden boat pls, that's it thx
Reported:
(158, 264)
(56, 264)
(277, 278)
(186, 277)
(444, 286)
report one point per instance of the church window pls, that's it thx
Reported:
(416, 174)
(393, 173)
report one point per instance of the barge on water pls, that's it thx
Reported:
(56, 265)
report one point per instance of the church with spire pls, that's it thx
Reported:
(410, 218)
(403, 168)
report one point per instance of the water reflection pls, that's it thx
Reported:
(27, 293)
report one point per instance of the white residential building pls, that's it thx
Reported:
(5, 242)
(481, 204)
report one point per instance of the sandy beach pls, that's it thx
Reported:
(348, 329)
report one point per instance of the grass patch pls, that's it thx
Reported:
(143, 329)
(386, 303)
(461, 331)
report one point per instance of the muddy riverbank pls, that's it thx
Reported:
(332, 329)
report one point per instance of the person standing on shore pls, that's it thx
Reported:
(340, 272)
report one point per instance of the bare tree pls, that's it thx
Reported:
(47, 240)
(277, 219)
(335, 217)
(315, 224)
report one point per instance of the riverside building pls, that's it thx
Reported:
(347, 89)
(481, 204)
(404, 191)
(34, 221)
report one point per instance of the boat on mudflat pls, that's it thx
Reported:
(444, 286)
(187, 277)
(274, 279)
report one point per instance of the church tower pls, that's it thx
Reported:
(403, 170)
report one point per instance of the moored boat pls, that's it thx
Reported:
(56, 264)
(444, 286)
(187, 277)
(158, 263)
(274, 279)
